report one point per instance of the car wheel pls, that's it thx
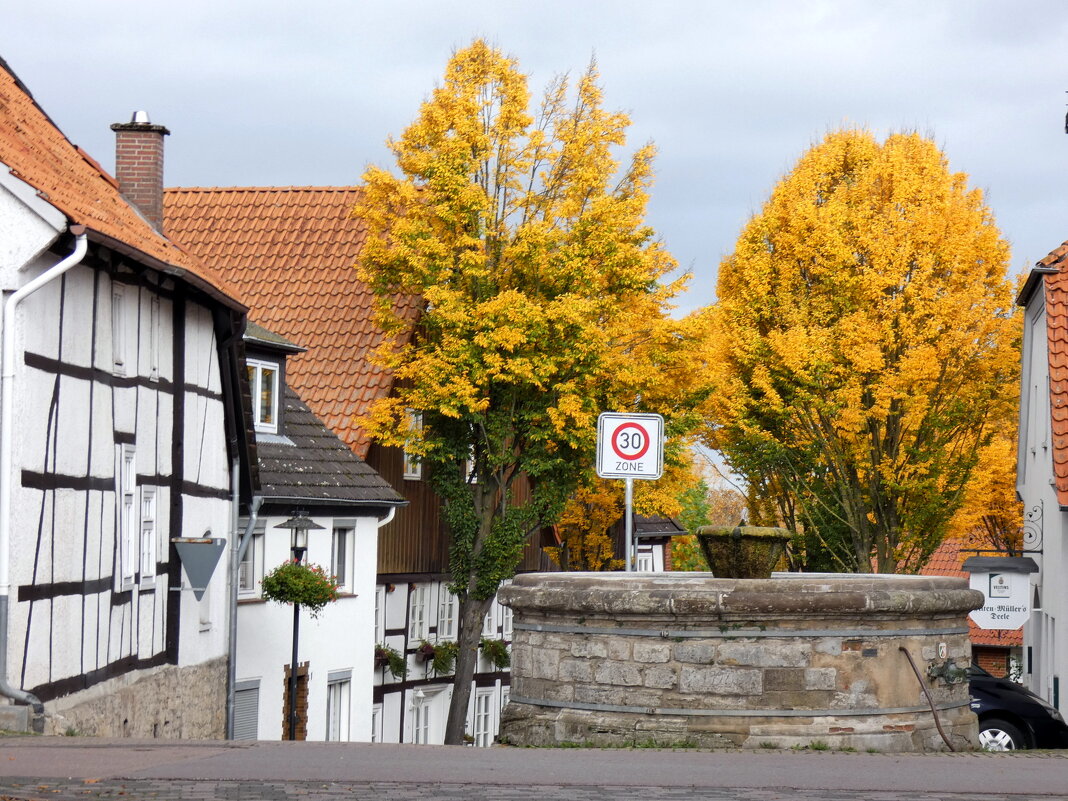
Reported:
(999, 735)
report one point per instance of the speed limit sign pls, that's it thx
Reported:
(630, 445)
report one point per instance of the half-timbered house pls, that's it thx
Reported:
(122, 446)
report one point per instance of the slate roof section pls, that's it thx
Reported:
(291, 251)
(1056, 286)
(37, 153)
(947, 561)
(311, 464)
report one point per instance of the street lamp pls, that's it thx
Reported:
(299, 525)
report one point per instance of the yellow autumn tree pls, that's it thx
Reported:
(991, 516)
(865, 353)
(524, 235)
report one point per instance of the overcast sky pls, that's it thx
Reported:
(275, 92)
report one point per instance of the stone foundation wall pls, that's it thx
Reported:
(618, 659)
(166, 702)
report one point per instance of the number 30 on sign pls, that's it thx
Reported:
(630, 445)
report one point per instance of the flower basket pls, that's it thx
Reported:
(392, 660)
(496, 651)
(296, 583)
(441, 656)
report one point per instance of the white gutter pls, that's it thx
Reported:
(389, 516)
(7, 387)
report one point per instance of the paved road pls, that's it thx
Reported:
(63, 768)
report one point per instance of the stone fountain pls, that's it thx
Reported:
(619, 659)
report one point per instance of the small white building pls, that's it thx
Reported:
(1042, 470)
(306, 473)
(121, 442)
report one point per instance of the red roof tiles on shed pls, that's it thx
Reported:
(292, 251)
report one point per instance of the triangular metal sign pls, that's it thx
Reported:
(199, 557)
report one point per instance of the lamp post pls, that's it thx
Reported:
(299, 525)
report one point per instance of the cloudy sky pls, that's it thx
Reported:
(278, 93)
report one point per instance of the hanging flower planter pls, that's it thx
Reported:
(440, 656)
(496, 652)
(392, 660)
(296, 583)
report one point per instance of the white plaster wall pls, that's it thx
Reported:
(1044, 633)
(28, 226)
(341, 638)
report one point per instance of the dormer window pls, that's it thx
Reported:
(263, 383)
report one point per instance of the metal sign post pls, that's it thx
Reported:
(630, 446)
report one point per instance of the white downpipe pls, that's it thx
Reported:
(389, 516)
(7, 403)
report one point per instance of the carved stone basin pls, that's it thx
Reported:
(742, 551)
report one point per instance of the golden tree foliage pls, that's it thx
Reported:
(586, 523)
(864, 347)
(525, 238)
(991, 515)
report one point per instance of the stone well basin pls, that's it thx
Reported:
(612, 659)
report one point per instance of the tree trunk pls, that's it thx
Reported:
(472, 614)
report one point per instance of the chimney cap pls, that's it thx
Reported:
(139, 121)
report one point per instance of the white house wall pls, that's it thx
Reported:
(1045, 654)
(340, 640)
(73, 635)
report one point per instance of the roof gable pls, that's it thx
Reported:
(37, 152)
(291, 252)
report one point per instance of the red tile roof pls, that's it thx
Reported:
(37, 152)
(291, 252)
(947, 561)
(1056, 285)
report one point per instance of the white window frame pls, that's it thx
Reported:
(153, 338)
(413, 465)
(118, 329)
(417, 624)
(338, 706)
(148, 529)
(380, 612)
(489, 622)
(482, 718)
(422, 718)
(376, 723)
(506, 621)
(341, 561)
(256, 369)
(126, 514)
(250, 569)
(446, 613)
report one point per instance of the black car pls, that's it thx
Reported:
(1011, 716)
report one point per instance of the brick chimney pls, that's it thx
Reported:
(139, 165)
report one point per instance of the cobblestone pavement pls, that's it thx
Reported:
(14, 789)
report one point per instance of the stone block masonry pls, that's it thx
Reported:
(622, 659)
(168, 702)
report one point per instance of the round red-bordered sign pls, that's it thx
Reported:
(646, 439)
